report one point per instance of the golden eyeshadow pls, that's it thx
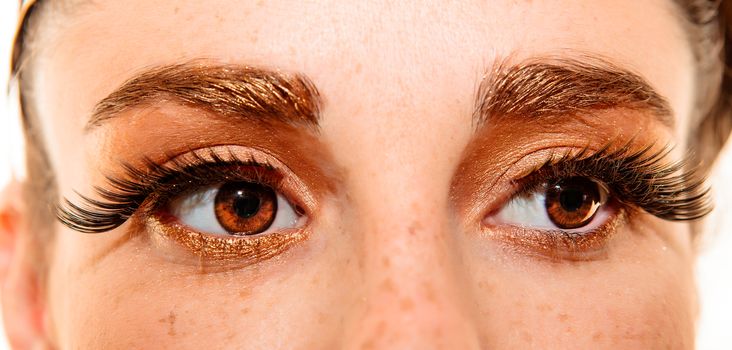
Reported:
(489, 169)
(213, 250)
(559, 246)
(189, 129)
(632, 159)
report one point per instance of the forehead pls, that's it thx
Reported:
(415, 50)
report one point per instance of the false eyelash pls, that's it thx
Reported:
(156, 183)
(668, 190)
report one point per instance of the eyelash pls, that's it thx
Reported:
(149, 188)
(640, 179)
(643, 179)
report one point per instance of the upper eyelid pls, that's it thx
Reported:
(512, 173)
(675, 191)
(122, 197)
(477, 193)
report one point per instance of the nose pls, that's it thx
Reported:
(415, 294)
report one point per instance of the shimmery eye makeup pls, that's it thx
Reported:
(570, 186)
(150, 186)
(246, 186)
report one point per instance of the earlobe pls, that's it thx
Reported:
(9, 221)
(23, 301)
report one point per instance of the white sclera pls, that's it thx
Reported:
(530, 212)
(196, 210)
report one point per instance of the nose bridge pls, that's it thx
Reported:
(413, 295)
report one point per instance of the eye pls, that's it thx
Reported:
(571, 204)
(235, 208)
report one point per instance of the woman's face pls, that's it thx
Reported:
(405, 200)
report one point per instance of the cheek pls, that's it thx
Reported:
(124, 295)
(641, 296)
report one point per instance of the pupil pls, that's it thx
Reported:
(246, 205)
(572, 199)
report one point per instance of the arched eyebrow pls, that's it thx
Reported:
(534, 88)
(555, 86)
(232, 91)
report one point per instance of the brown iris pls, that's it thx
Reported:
(245, 208)
(573, 202)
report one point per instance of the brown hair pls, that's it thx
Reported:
(709, 25)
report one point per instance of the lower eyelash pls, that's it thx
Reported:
(644, 179)
(562, 246)
(150, 186)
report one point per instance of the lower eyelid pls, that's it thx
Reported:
(184, 246)
(604, 213)
(559, 245)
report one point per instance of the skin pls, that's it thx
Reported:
(392, 260)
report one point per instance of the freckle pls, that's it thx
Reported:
(245, 293)
(544, 307)
(315, 281)
(563, 317)
(413, 229)
(406, 304)
(485, 286)
(527, 337)
(176, 10)
(357, 68)
(116, 299)
(321, 318)
(429, 292)
(597, 336)
(385, 261)
(171, 322)
(245, 311)
(387, 285)
(381, 327)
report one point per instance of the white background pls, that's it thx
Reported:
(714, 270)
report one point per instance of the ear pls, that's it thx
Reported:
(23, 301)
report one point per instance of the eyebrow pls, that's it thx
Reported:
(234, 91)
(548, 86)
